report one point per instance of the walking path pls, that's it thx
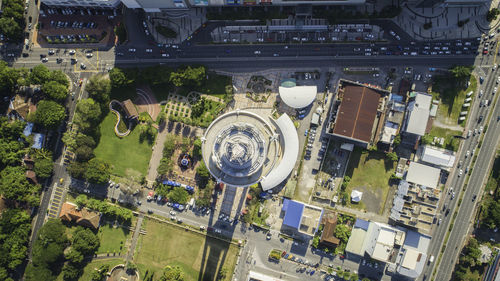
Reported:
(157, 154)
(131, 249)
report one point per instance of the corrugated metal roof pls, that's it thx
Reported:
(357, 113)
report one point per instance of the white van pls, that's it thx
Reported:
(431, 259)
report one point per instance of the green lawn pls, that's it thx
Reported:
(195, 253)
(452, 99)
(112, 239)
(450, 142)
(127, 155)
(90, 267)
(370, 172)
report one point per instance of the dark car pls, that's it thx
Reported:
(474, 198)
(480, 119)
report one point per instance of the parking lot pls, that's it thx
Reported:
(290, 34)
(76, 26)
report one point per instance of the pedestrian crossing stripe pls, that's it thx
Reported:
(56, 200)
(58, 196)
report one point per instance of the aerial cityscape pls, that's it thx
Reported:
(249, 140)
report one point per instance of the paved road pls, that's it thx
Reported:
(479, 173)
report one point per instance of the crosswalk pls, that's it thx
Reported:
(56, 202)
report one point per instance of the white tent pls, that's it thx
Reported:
(356, 196)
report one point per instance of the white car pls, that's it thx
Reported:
(467, 153)
(132, 50)
(149, 50)
(460, 172)
(45, 60)
(165, 55)
(257, 52)
(72, 52)
(89, 55)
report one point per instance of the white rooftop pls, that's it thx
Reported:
(438, 156)
(418, 114)
(423, 175)
(298, 96)
(290, 150)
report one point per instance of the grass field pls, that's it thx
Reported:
(112, 239)
(370, 172)
(450, 142)
(89, 268)
(196, 254)
(452, 99)
(127, 155)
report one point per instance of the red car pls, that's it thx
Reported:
(283, 254)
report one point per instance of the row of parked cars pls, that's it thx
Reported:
(73, 11)
(73, 24)
(71, 38)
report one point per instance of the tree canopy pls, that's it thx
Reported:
(172, 273)
(39, 74)
(84, 241)
(14, 235)
(14, 185)
(43, 168)
(49, 114)
(188, 76)
(179, 195)
(8, 78)
(99, 89)
(55, 91)
(59, 77)
(98, 171)
(87, 114)
(118, 78)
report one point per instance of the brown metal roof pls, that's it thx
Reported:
(357, 113)
(328, 236)
(130, 109)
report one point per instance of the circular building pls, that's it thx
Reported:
(240, 148)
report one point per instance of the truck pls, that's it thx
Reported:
(191, 203)
(27, 43)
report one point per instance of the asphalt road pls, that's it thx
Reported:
(480, 172)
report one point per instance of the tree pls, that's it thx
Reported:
(203, 174)
(98, 171)
(55, 91)
(492, 219)
(10, 29)
(461, 74)
(43, 168)
(49, 246)
(179, 195)
(14, 236)
(392, 156)
(71, 271)
(397, 140)
(188, 76)
(69, 139)
(81, 200)
(166, 166)
(59, 77)
(84, 153)
(77, 170)
(99, 89)
(87, 114)
(39, 74)
(100, 274)
(11, 152)
(84, 241)
(14, 185)
(223, 271)
(172, 273)
(342, 232)
(49, 114)
(118, 78)
(74, 256)
(169, 145)
(82, 139)
(8, 78)
(36, 273)
(492, 14)
(197, 148)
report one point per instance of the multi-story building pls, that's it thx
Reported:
(106, 4)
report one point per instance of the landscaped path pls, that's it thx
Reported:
(118, 118)
(438, 123)
(156, 155)
(131, 249)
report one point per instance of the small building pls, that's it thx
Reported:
(300, 218)
(423, 175)
(83, 217)
(38, 140)
(357, 112)
(20, 107)
(297, 96)
(130, 109)
(439, 157)
(31, 177)
(417, 114)
(328, 236)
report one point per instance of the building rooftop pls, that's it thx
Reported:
(437, 156)
(302, 217)
(418, 114)
(130, 109)
(423, 175)
(293, 213)
(289, 141)
(328, 235)
(357, 112)
(298, 96)
(84, 216)
(355, 244)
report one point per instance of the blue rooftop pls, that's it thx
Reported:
(395, 97)
(293, 213)
(362, 224)
(38, 140)
(28, 129)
